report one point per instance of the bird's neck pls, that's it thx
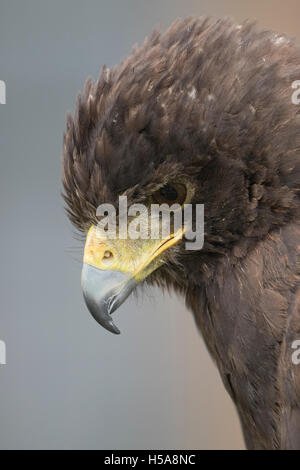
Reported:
(229, 312)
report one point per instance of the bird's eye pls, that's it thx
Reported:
(171, 193)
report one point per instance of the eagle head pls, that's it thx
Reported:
(198, 116)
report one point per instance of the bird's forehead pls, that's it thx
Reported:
(137, 186)
(135, 156)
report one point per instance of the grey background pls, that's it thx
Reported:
(68, 384)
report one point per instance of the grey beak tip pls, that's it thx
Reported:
(110, 326)
(104, 291)
(116, 331)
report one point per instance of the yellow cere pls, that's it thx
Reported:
(136, 257)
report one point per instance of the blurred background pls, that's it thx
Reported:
(69, 384)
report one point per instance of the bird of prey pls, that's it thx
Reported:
(203, 114)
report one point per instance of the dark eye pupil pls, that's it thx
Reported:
(168, 192)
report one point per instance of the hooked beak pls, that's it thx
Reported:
(103, 292)
(113, 268)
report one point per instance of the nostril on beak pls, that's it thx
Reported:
(107, 257)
